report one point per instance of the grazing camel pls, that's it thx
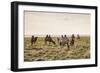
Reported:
(78, 36)
(63, 40)
(33, 40)
(49, 39)
(73, 36)
(72, 41)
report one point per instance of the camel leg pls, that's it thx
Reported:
(60, 44)
(68, 45)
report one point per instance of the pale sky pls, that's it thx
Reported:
(42, 23)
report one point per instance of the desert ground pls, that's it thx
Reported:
(49, 52)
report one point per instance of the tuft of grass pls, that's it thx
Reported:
(45, 52)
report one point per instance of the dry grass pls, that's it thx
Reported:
(43, 52)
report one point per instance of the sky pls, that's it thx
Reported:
(56, 23)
